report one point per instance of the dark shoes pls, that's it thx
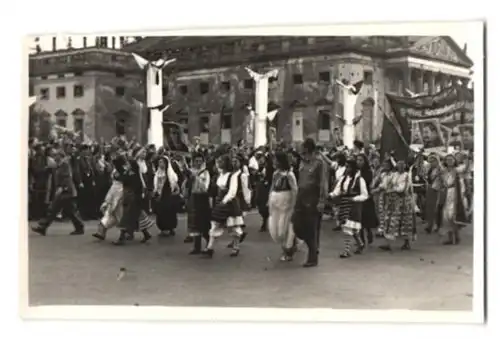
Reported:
(208, 253)
(99, 236)
(385, 248)
(146, 238)
(345, 255)
(406, 246)
(310, 264)
(39, 229)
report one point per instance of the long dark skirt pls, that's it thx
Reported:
(262, 194)
(131, 211)
(369, 217)
(198, 214)
(166, 213)
(221, 211)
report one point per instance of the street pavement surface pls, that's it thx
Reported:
(80, 270)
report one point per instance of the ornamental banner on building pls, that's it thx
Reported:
(434, 121)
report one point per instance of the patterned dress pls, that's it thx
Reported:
(455, 202)
(112, 204)
(399, 207)
(381, 181)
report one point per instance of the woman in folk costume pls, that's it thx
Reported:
(281, 203)
(147, 173)
(418, 171)
(103, 178)
(244, 194)
(350, 193)
(337, 166)
(378, 190)
(433, 188)
(370, 219)
(264, 178)
(112, 206)
(196, 193)
(226, 212)
(399, 220)
(165, 192)
(455, 205)
(133, 216)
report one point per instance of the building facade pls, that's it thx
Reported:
(93, 90)
(209, 89)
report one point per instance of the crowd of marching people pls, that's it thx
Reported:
(133, 188)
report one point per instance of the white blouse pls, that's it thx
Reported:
(247, 194)
(233, 186)
(362, 186)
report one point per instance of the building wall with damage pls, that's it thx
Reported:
(305, 85)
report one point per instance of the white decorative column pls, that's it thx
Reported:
(349, 100)
(154, 96)
(261, 97)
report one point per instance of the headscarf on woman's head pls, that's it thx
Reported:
(434, 156)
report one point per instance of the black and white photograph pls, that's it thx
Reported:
(270, 171)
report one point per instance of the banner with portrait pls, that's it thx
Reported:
(435, 121)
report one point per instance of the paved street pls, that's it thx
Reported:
(76, 270)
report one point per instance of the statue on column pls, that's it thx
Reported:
(350, 95)
(154, 96)
(261, 97)
(250, 122)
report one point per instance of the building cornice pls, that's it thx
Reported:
(432, 66)
(212, 56)
(74, 51)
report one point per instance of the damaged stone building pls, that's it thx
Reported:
(209, 90)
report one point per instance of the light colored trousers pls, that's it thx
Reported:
(280, 215)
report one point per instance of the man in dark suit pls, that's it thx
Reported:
(313, 190)
(64, 199)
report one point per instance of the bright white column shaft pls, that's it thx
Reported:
(261, 95)
(349, 105)
(154, 80)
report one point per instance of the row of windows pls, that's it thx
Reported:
(204, 87)
(324, 77)
(324, 122)
(79, 74)
(61, 92)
